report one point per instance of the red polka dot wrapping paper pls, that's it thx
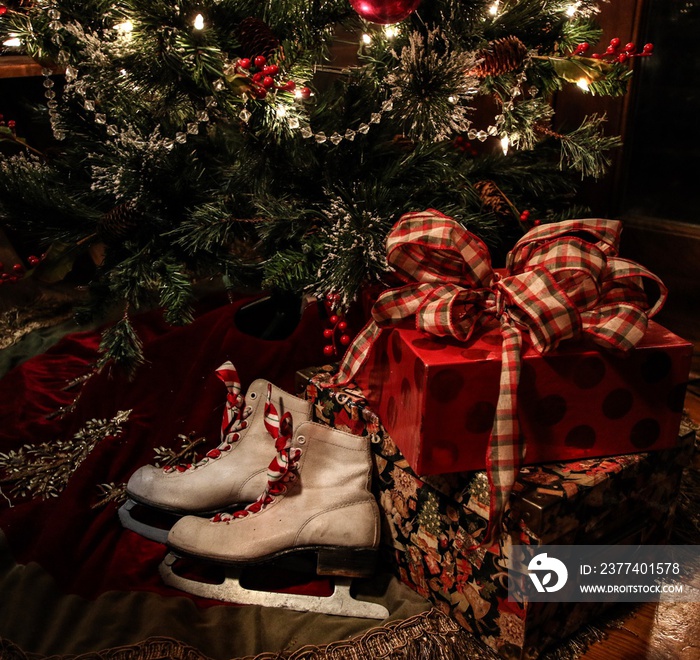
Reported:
(437, 397)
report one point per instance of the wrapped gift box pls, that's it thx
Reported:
(429, 522)
(437, 397)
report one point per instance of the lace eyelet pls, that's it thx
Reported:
(253, 395)
(301, 439)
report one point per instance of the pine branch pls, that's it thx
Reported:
(121, 346)
(585, 150)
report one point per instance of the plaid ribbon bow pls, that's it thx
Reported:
(562, 281)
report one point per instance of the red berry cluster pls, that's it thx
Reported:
(10, 123)
(262, 76)
(612, 52)
(464, 145)
(337, 333)
(525, 219)
(16, 271)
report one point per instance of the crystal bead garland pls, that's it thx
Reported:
(80, 87)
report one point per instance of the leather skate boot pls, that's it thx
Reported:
(318, 500)
(232, 474)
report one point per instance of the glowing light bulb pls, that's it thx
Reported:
(505, 143)
(198, 22)
(493, 9)
(281, 111)
(297, 94)
(12, 42)
(572, 9)
(391, 31)
(452, 99)
(125, 27)
(366, 39)
(583, 84)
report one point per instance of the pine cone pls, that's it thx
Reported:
(256, 38)
(493, 198)
(499, 57)
(119, 223)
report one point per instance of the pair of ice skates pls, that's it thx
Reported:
(313, 497)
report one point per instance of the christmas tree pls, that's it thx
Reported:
(195, 138)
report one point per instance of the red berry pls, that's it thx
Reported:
(345, 340)
(596, 56)
(610, 50)
(32, 260)
(525, 215)
(257, 77)
(328, 350)
(537, 223)
(3, 10)
(268, 81)
(622, 58)
(289, 86)
(18, 268)
(629, 48)
(244, 63)
(328, 333)
(305, 92)
(615, 42)
(333, 320)
(5, 276)
(648, 48)
(260, 61)
(260, 93)
(342, 326)
(271, 70)
(11, 123)
(333, 297)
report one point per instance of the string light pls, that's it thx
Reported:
(391, 31)
(281, 111)
(13, 42)
(493, 9)
(583, 84)
(505, 143)
(572, 9)
(199, 22)
(125, 27)
(366, 39)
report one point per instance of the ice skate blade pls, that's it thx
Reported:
(339, 603)
(150, 532)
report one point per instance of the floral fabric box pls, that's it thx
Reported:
(430, 522)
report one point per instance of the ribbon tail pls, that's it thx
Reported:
(357, 353)
(505, 453)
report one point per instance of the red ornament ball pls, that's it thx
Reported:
(260, 61)
(244, 63)
(328, 333)
(344, 339)
(328, 350)
(384, 11)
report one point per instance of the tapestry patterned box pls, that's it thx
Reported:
(436, 397)
(430, 522)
